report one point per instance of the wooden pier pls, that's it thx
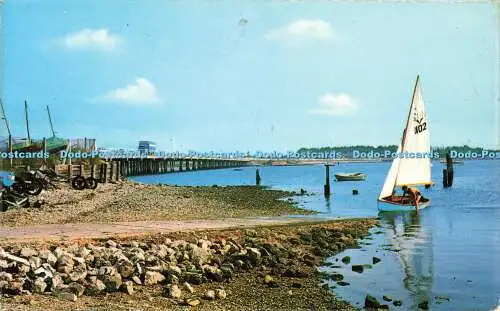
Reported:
(112, 170)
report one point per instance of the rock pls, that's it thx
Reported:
(111, 244)
(220, 293)
(174, 292)
(42, 272)
(39, 286)
(66, 296)
(107, 270)
(372, 303)
(48, 257)
(23, 269)
(65, 260)
(254, 255)
(188, 287)
(95, 287)
(342, 283)
(55, 282)
(78, 274)
(268, 279)
(199, 256)
(136, 280)
(76, 289)
(125, 268)
(128, 287)
(3, 264)
(193, 302)
(346, 259)
(397, 303)
(209, 295)
(4, 276)
(10, 257)
(152, 278)
(193, 278)
(227, 270)
(424, 305)
(375, 260)
(174, 270)
(35, 263)
(213, 273)
(112, 282)
(337, 277)
(28, 252)
(387, 298)
(357, 268)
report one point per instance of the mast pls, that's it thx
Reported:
(403, 140)
(26, 115)
(5, 119)
(50, 120)
(409, 112)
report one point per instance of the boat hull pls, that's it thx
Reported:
(359, 177)
(388, 206)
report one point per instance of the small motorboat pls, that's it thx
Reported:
(350, 176)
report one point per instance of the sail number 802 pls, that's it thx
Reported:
(420, 128)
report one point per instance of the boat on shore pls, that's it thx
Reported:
(409, 171)
(350, 176)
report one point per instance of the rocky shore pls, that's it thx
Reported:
(248, 269)
(126, 201)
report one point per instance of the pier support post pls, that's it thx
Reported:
(327, 181)
(257, 177)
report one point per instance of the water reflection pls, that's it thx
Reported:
(414, 246)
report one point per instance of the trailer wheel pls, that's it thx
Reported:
(79, 183)
(91, 183)
(4, 206)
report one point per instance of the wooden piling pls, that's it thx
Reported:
(257, 177)
(327, 181)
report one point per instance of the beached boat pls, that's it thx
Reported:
(54, 144)
(405, 169)
(350, 176)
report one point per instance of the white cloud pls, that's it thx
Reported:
(91, 39)
(336, 105)
(302, 30)
(139, 93)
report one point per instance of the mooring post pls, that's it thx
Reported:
(448, 172)
(327, 182)
(257, 177)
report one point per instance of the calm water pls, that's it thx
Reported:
(449, 255)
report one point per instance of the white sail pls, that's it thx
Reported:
(415, 163)
(390, 179)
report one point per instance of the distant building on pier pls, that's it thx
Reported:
(146, 146)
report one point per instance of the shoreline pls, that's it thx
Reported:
(127, 201)
(266, 268)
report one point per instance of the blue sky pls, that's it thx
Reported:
(250, 75)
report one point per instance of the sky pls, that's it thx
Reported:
(220, 75)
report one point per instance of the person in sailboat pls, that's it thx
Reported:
(413, 194)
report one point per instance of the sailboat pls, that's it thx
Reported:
(406, 170)
(54, 144)
(24, 144)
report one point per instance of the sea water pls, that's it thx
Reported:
(447, 255)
